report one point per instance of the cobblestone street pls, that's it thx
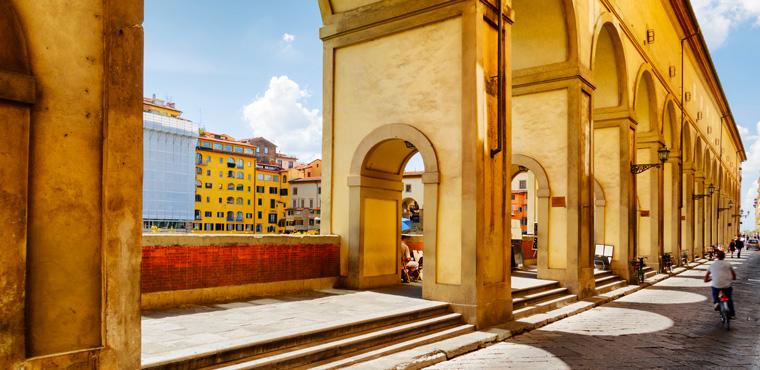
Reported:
(668, 325)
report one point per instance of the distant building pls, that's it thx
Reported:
(168, 178)
(286, 161)
(272, 194)
(308, 170)
(303, 215)
(266, 151)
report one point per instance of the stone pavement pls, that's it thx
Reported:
(183, 332)
(668, 325)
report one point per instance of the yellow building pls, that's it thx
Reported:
(225, 200)
(272, 194)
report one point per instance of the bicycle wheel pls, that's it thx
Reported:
(724, 317)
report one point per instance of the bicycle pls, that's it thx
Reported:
(638, 270)
(667, 263)
(725, 312)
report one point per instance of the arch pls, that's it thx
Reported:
(698, 154)
(645, 102)
(608, 65)
(13, 52)
(545, 32)
(670, 128)
(687, 150)
(375, 189)
(521, 163)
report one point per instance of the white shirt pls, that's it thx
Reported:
(720, 272)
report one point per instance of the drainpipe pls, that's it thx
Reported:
(500, 84)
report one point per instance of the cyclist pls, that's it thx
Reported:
(721, 273)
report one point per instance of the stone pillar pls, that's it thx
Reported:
(671, 209)
(649, 186)
(699, 216)
(613, 156)
(687, 217)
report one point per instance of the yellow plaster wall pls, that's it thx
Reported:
(339, 6)
(539, 36)
(539, 131)
(411, 77)
(381, 236)
(607, 172)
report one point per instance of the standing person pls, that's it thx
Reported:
(720, 273)
(732, 247)
(406, 256)
(739, 247)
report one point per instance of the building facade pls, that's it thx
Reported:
(303, 213)
(266, 151)
(272, 194)
(168, 182)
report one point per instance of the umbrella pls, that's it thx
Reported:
(406, 225)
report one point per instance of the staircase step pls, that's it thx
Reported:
(610, 286)
(539, 287)
(395, 348)
(650, 273)
(241, 349)
(606, 279)
(527, 299)
(544, 306)
(602, 273)
(319, 352)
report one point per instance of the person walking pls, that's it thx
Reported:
(732, 247)
(739, 247)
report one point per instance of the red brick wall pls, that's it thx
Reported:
(167, 268)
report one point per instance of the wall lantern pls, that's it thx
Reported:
(710, 191)
(662, 155)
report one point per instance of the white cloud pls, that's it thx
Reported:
(281, 116)
(717, 18)
(288, 38)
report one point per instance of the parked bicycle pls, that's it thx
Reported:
(684, 258)
(667, 263)
(638, 270)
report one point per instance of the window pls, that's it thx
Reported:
(311, 202)
(239, 187)
(230, 186)
(231, 174)
(221, 160)
(513, 197)
(205, 144)
(220, 200)
(266, 150)
(239, 216)
(260, 189)
(249, 164)
(231, 162)
(221, 186)
(249, 202)
(239, 201)
(273, 190)
(408, 188)
(240, 175)
(208, 200)
(230, 200)
(198, 158)
(284, 192)
(198, 183)
(217, 146)
(276, 178)
(260, 177)
(230, 216)
(272, 218)
(239, 163)
(259, 201)
(248, 151)
(319, 190)
(227, 148)
(295, 191)
(523, 184)
(208, 172)
(295, 203)
(249, 177)
(258, 150)
(221, 173)
(220, 214)
(208, 214)
(271, 203)
(198, 170)
(258, 228)
(249, 189)
(238, 149)
(249, 215)
(258, 215)
(197, 214)
(197, 197)
(267, 177)
(284, 178)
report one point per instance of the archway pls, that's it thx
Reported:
(542, 33)
(671, 179)
(376, 204)
(537, 194)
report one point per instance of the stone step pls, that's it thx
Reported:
(298, 337)
(544, 306)
(525, 274)
(602, 273)
(529, 299)
(538, 287)
(393, 348)
(373, 340)
(606, 279)
(611, 285)
(650, 273)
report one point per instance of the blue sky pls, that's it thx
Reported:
(254, 68)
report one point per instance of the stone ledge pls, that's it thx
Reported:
(197, 240)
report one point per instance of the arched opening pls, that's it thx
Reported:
(378, 197)
(530, 217)
(540, 35)
(608, 74)
(671, 178)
